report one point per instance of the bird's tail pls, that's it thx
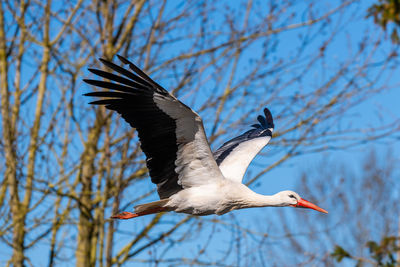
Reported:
(144, 209)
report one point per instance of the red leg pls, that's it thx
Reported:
(129, 215)
(125, 215)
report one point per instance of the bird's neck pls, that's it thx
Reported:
(258, 200)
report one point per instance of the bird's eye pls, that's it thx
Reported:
(292, 196)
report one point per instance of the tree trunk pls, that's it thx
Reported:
(86, 224)
(9, 152)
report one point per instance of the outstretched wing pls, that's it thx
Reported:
(171, 134)
(234, 156)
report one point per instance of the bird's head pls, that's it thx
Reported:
(290, 198)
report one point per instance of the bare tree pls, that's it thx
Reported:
(68, 166)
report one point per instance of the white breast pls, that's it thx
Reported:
(214, 198)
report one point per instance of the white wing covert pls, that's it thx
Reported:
(234, 156)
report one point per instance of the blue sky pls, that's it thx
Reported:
(380, 109)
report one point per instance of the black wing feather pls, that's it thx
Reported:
(125, 72)
(117, 78)
(143, 75)
(135, 103)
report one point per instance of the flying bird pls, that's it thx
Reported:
(190, 178)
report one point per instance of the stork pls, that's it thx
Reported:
(190, 178)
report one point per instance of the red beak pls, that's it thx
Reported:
(302, 203)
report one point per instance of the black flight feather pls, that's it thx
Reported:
(133, 98)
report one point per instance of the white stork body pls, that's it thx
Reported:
(189, 177)
(215, 198)
(220, 198)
